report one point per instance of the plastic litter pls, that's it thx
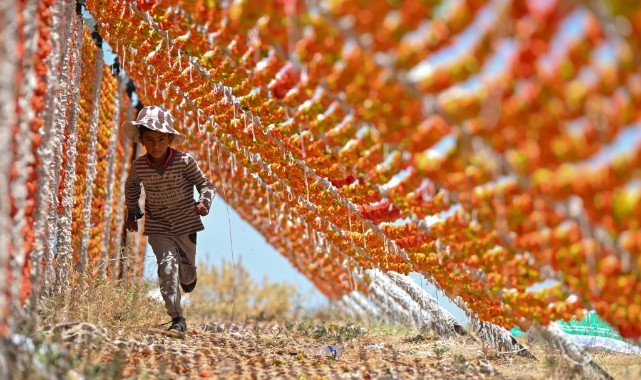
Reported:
(328, 350)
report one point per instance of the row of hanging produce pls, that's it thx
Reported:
(62, 182)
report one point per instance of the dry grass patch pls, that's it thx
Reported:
(75, 331)
(620, 366)
(123, 307)
(552, 365)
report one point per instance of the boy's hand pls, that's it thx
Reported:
(200, 209)
(132, 225)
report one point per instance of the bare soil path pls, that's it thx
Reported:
(271, 351)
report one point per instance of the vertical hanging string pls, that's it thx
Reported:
(269, 205)
(91, 165)
(8, 119)
(222, 179)
(222, 184)
(302, 147)
(111, 169)
(385, 243)
(137, 247)
(117, 220)
(252, 126)
(120, 266)
(352, 281)
(44, 152)
(59, 126)
(124, 57)
(156, 88)
(349, 218)
(22, 152)
(209, 164)
(64, 249)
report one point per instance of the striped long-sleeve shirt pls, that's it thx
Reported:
(169, 194)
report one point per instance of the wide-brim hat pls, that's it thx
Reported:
(156, 119)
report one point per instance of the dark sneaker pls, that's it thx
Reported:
(189, 287)
(178, 325)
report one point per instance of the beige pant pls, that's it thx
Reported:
(176, 259)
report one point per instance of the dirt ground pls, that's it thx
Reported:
(273, 350)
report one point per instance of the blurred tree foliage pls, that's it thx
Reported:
(228, 291)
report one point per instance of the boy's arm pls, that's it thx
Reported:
(132, 195)
(205, 188)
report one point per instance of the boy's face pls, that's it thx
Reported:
(156, 143)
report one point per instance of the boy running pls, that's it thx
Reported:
(172, 216)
